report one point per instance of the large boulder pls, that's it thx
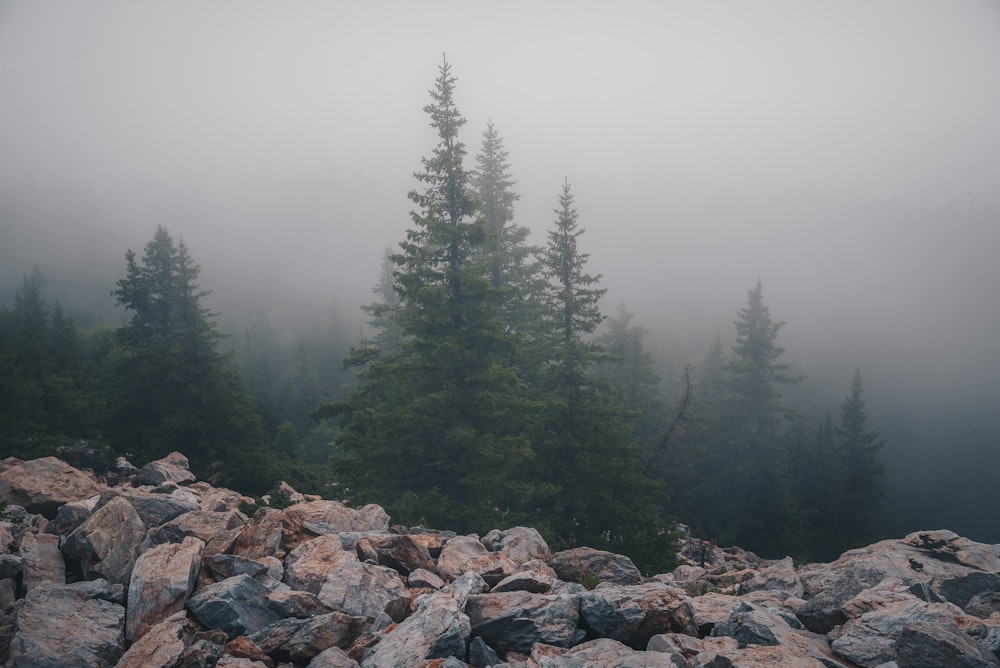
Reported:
(610, 653)
(300, 640)
(42, 485)
(172, 468)
(162, 580)
(217, 529)
(583, 564)
(632, 614)
(438, 629)
(365, 590)
(519, 544)
(156, 509)
(260, 536)
(63, 627)
(309, 564)
(397, 551)
(107, 544)
(162, 645)
(316, 518)
(515, 621)
(237, 606)
(456, 553)
(41, 560)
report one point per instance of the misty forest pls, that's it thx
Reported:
(504, 370)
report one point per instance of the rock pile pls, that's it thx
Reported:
(159, 569)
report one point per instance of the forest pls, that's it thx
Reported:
(488, 389)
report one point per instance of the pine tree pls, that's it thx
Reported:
(435, 430)
(586, 449)
(176, 390)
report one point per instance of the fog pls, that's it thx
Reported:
(846, 153)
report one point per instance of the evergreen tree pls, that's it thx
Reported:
(586, 449)
(861, 492)
(176, 391)
(435, 430)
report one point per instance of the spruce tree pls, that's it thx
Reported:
(586, 451)
(435, 430)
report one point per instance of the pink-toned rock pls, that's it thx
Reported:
(260, 536)
(582, 563)
(107, 544)
(162, 645)
(172, 468)
(315, 518)
(162, 580)
(42, 485)
(456, 553)
(42, 560)
(309, 564)
(365, 590)
(396, 551)
(218, 530)
(215, 499)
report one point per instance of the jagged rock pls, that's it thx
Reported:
(154, 509)
(632, 614)
(42, 561)
(172, 468)
(366, 590)
(611, 654)
(929, 557)
(214, 499)
(482, 655)
(71, 515)
(519, 544)
(162, 580)
(11, 566)
(314, 518)
(297, 604)
(237, 605)
(514, 621)
(584, 563)
(399, 552)
(162, 644)
(888, 623)
(778, 576)
(107, 544)
(333, 657)
(300, 640)
(423, 579)
(42, 485)
(456, 553)
(266, 570)
(217, 530)
(58, 627)
(243, 647)
(526, 581)
(240, 662)
(307, 566)
(260, 536)
(438, 629)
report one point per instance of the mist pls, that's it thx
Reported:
(845, 153)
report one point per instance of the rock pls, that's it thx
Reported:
(162, 580)
(260, 536)
(632, 614)
(514, 621)
(779, 576)
(585, 563)
(42, 485)
(172, 468)
(299, 640)
(519, 544)
(456, 553)
(333, 657)
(243, 647)
(157, 509)
(526, 581)
(215, 499)
(438, 629)
(399, 552)
(482, 655)
(217, 530)
(58, 627)
(422, 579)
(162, 645)
(237, 605)
(365, 590)
(900, 627)
(313, 518)
(107, 544)
(612, 654)
(266, 570)
(71, 515)
(42, 561)
(307, 566)
(297, 604)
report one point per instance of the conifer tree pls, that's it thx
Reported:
(436, 429)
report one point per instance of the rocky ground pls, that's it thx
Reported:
(149, 567)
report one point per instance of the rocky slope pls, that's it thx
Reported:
(149, 567)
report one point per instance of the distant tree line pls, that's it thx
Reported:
(491, 391)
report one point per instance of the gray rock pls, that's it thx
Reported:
(399, 552)
(297, 604)
(107, 544)
(437, 630)
(71, 515)
(424, 579)
(155, 509)
(611, 654)
(172, 468)
(584, 563)
(515, 621)
(162, 580)
(300, 640)
(309, 564)
(333, 657)
(58, 627)
(779, 576)
(42, 561)
(307, 520)
(11, 565)
(237, 606)
(632, 614)
(216, 529)
(482, 655)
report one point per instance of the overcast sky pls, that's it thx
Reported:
(286, 134)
